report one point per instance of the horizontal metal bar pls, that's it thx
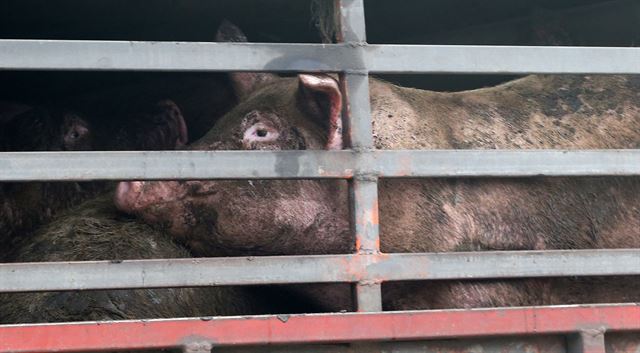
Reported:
(60, 166)
(172, 56)
(315, 329)
(16, 277)
(194, 56)
(173, 165)
(506, 163)
(501, 59)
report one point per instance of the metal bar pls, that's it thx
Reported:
(366, 269)
(369, 296)
(364, 198)
(587, 341)
(359, 127)
(507, 163)
(192, 56)
(352, 21)
(60, 166)
(359, 131)
(173, 56)
(173, 165)
(316, 329)
(461, 59)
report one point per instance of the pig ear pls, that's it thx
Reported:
(10, 110)
(321, 97)
(243, 82)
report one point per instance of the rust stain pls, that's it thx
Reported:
(352, 267)
(374, 212)
(346, 174)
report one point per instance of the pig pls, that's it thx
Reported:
(24, 206)
(304, 217)
(26, 128)
(96, 231)
(202, 98)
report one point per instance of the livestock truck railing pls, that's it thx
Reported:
(584, 326)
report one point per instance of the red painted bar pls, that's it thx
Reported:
(314, 329)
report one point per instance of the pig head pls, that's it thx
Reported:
(259, 216)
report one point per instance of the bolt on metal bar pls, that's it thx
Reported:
(365, 269)
(316, 329)
(587, 341)
(356, 56)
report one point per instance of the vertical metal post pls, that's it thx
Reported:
(364, 200)
(352, 21)
(197, 347)
(589, 341)
(363, 188)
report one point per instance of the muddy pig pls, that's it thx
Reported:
(275, 217)
(24, 206)
(96, 231)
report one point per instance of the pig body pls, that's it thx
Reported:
(95, 231)
(276, 217)
(422, 215)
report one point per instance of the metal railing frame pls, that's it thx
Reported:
(362, 165)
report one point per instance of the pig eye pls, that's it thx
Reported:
(260, 132)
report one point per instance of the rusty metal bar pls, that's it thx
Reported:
(316, 329)
(364, 201)
(193, 56)
(367, 269)
(363, 188)
(60, 166)
(364, 197)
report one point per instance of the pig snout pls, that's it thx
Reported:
(127, 193)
